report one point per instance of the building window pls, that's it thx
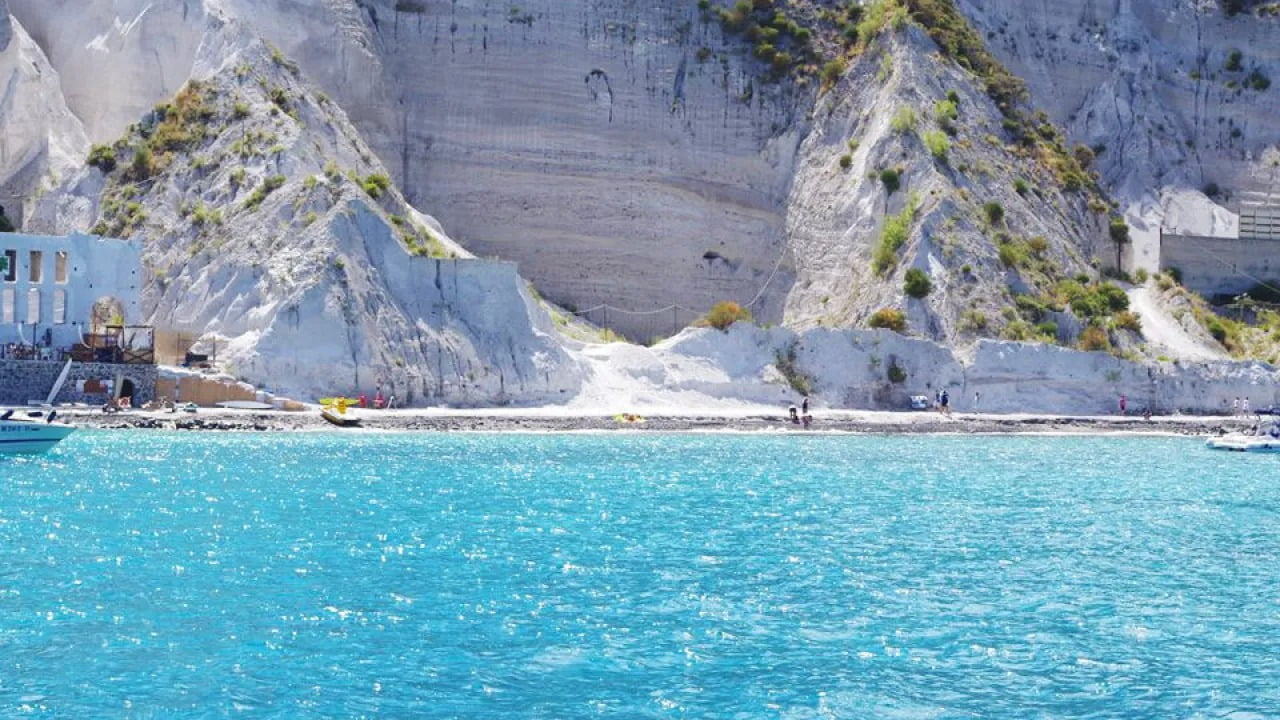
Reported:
(6, 305)
(37, 266)
(60, 267)
(33, 306)
(60, 307)
(9, 265)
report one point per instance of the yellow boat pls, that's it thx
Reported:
(338, 411)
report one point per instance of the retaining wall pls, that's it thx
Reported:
(24, 380)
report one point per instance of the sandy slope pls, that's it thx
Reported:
(1163, 332)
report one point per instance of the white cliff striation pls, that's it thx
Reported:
(589, 141)
(1176, 96)
(632, 154)
(270, 227)
(42, 140)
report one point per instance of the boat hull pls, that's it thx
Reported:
(1244, 444)
(347, 419)
(23, 437)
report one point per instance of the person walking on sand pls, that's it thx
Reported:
(804, 406)
(944, 403)
(977, 398)
(1124, 403)
(1244, 406)
(1235, 406)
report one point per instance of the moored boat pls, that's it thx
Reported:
(31, 435)
(1259, 439)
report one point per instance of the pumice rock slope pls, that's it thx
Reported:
(1176, 95)
(584, 140)
(269, 225)
(41, 139)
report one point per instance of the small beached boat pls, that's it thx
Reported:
(31, 434)
(1261, 439)
(338, 412)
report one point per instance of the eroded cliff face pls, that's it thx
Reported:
(585, 140)
(867, 160)
(269, 225)
(41, 139)
(1154, 84)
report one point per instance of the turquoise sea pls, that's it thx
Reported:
(638, 576)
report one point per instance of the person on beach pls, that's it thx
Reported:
(364, 400)
(804, 405)
(977, 398)
(795, 416)
(1244, 406)
(1124, 404)
(378, 400)
(1235, 406)
(944, 403)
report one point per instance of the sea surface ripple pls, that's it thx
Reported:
(638, 576)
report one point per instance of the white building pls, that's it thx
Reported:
(49, 287)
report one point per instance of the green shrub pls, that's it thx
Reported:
(846, 160)
(724, 314)
(1018, 330)
(1233, 63)
(938, 145)
(892, 237)
(832, 71)
(1127, 320)
(240, 111)
(143, 164)
(891, 179)
(1020, 186)
(896, 374)
(917, 283)
(376, 184)
(1257, 80)
(1011, 254)
(973, 321)
(904, 120)
(102, 157)
(260, 193)
(889, 319)
(994, 212)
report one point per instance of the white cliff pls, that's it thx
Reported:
(270, 227)
(42, 140)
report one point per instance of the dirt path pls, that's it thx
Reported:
(1163, 332)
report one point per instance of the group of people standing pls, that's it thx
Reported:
(379, 401)
(801, 417)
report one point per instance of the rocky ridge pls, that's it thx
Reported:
(673, 171)
(270, 227)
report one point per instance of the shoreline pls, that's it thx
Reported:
(541, 420)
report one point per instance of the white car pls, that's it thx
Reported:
(920, 402)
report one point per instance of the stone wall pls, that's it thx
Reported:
(1220, 266)
(25, 380)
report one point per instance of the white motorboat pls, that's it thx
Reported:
(36, 433)
(1259, 439)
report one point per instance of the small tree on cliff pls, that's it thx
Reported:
(1120, 236)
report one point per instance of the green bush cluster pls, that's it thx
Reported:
(779, 39)
(916, 283)
(937, 144)
(376, 184)
(102, 157)
(260, 193)
(893, 236)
